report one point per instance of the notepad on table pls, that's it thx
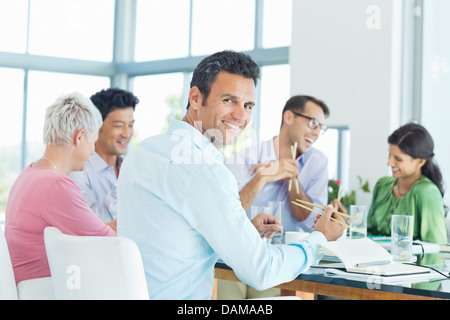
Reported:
(367, 257)
(418, 247)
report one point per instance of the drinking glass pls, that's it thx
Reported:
(401, 237)
(277, 208)
(255, 210)
(358, 228)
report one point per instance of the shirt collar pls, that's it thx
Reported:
(99, 164)
(269, 154)
(184, 129)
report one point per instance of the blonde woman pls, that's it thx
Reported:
(43, 195)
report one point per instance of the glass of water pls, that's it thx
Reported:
(255, 210)
(358, 228)
(402, 227)
(277, 208)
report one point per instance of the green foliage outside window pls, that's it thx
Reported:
(348, 199)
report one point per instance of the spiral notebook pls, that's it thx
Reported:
(367, 257)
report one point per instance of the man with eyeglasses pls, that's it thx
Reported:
(263, 171)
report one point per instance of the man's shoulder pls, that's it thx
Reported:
(315, 156)
(254, 154)
(314, 152)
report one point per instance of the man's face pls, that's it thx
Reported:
(116, 132)
(300, 130)
(228, 109)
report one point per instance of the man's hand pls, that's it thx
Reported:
(267, 225)
(265, 173)
(112, 224)
(331, 229)
(273, 171)
(338, 206)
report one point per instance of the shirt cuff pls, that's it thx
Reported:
(315, 239)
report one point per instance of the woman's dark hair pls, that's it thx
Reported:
(414, 140)
(230, 61)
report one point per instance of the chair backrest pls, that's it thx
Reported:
(89, 268)
(8, 289)
(36, 289)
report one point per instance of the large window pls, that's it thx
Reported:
(159, 15)
(275, 91)
(43, 89)
(13, 25)
(219, 25)
(277, 23)
(150, 47)
(11, 81)
(160, 99)
(78, 29)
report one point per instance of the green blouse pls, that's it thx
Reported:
(423, 201)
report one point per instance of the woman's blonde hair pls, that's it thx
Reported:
(69, 114)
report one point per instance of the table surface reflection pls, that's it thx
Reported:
(314, 281)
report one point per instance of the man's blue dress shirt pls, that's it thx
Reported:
(98, 186)
(180, 204)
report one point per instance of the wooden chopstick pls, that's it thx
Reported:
(305, 207)
(323, 208)
(293, 151)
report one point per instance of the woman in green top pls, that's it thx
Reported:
(415, 187)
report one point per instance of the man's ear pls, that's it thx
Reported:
(78, 137)
(288, 117)
(195, 98)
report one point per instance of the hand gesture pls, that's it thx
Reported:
(267, 225)
(331, 229)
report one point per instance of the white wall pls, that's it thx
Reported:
(348, 53)
(436, 83)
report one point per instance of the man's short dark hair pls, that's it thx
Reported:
(230, 61)
(113, 98)
(298, 103)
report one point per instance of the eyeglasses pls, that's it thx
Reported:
(313, 123)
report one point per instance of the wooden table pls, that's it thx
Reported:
(342, 288)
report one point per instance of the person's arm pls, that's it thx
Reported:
(313, 187)
(267, 225)
(66, 209)
(299, 213)
(105, 208)
(431, 214)
(264, 173)
(214, 210)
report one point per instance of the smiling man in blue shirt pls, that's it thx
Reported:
(99, 178)
(181, 205)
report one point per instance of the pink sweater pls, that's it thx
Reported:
(39, 198)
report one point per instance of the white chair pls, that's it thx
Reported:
(91, 268)
(36, 289)
(33, 289)
(8, 289)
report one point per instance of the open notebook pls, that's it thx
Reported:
(367, 257)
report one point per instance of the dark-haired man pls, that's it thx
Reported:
(180, 203)
(264, 171)
(98, 180)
